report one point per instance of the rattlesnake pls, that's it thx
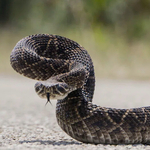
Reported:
(65, 72)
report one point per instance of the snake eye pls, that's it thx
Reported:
(65, 86)
(61, 89)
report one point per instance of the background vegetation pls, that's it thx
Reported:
(115, 32)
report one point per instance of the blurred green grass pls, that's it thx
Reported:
(112, 54)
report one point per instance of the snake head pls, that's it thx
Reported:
(58, 90)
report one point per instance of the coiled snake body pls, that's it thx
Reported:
(65, 72)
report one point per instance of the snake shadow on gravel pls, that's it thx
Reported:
(50, 142)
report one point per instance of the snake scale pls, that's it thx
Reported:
(65, 72)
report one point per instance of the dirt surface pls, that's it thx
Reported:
(26, 123)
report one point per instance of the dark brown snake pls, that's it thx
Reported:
(65, 72)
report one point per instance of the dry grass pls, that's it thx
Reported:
(113, 56)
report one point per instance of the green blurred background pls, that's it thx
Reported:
(116, 33)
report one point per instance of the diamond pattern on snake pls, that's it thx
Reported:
(65, 72)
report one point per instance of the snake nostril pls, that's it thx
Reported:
(38, 87)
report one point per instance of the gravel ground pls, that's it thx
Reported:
(26, 123)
